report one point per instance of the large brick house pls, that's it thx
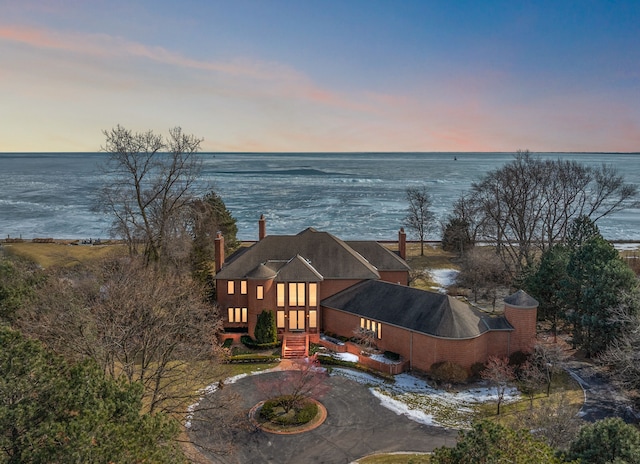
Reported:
(314, 282)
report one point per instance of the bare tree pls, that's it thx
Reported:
(499, 373)
(622, 357)
(554, 419)
(365, 338)
(481, 270)
(420, 218)
(307, 379)
(218, 424)
(549, 359)
(140, 325)
(526, 206)
(151, 184)
(530, 380)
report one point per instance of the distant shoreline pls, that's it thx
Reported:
(619, 244)
(341, 152)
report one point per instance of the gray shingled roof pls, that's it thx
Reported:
(298, 269)
(262, 272)
(521, 299)
(329, 256)
(426, 312)
(381, 257)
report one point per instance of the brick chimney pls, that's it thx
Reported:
(262, 227)
(402, 243)
(219, 251)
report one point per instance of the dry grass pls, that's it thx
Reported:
(61, 253)
(434, 257)
(396, 458)
(563, 385)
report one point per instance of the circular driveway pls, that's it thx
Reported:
(356, 426)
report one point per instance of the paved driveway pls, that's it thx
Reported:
(602, 399)
(356, 426)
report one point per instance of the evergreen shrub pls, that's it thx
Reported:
(448, 372)
(266, 331)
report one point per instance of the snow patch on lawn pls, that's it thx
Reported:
(408, 395)
(444, 277)
(346, 357)
(424, 404)
(383, 359)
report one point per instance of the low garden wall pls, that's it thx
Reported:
(387, 368)
(349, 347)
(222, 336)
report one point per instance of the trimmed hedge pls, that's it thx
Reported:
(252, 358)
(227, 343)
(251, 343)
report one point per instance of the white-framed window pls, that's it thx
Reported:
(280, 288)
(231, 287)
(313, 294)
(237, 314)
(243, 287)
(280, 320)
(260, 292)
(296, 294)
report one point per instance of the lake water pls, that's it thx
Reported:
(352, 195)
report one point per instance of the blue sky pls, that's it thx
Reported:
(323, 75)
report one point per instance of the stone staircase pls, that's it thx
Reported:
(295, 346)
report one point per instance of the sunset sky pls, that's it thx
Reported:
(323, 75)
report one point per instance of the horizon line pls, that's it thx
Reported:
(360, 152)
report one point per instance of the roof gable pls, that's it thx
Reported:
(298, 270)
(378, 255)
(329, 256)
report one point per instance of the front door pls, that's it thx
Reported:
(296, 319)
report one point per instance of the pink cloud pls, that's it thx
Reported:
(289, 82)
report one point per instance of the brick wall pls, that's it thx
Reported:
(523, 321)
(395, 277)
(421, 350)
(331, 287)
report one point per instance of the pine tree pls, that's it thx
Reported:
(489, 442)
(606, 441)
(597, 280)
(53, 411)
